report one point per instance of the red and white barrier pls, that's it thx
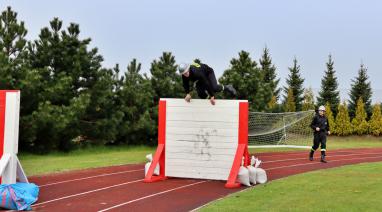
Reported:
(200, 140)
(10, 167)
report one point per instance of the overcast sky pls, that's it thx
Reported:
(216, 30)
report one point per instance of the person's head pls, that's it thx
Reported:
(184, 69)
(321, 110)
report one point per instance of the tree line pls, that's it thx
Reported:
(68, 99)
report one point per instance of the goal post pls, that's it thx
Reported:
(280, 130)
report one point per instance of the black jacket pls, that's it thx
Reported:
(320, 122)
(199, 73)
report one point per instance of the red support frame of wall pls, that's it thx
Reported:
(242, 149)
(159, 156)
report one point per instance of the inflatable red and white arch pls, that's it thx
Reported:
(10, 167)
(202, 141)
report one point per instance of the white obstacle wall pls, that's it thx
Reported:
(10, 167)
(201, 139)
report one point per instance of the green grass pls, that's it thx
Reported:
(334, 142)
(83, 158)
(348, 188)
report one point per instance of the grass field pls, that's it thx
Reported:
(84, 158)
(349, 188)
(117, 155)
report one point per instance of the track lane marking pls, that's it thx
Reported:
(94, 176)
(88, 192)
(152, 195)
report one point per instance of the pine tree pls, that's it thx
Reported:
(343, 125)
(360, 88)
(245, 76)
(12, 45)
(290, 105)
(375, 123)
(268, 71)
(135, 99)
(330, 117)
(165, 80)
(360, 125)
(12, 33)
(295, 82)
(308, 103)
(329, 87)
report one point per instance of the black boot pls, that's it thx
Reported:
(323, 157)
(311, 155)
(230, 89)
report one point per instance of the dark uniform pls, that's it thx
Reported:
(204, 76)
(319, 136)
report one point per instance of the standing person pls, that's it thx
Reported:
(320, 125)
(206, 84)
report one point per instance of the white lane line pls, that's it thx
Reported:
(305, 164)
(152, 195)
(88, 192)
(94, 176)
(328, 156)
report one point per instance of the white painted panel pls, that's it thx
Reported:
(201, 124)
(201, 117)
(212, 138)
(202, 133)
(186, 172)
(11, 126)
(191, 144)
(201, 139)
(202, 103)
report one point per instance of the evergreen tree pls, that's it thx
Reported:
(12, 45)
(360, 125)
(330, 117)
(308, 102)
(165, 81)
(343, 125)
(268, 71)
(245, 76)
(290, 105)
(134, 99)
(375, 123)
(69, 89)
(360, 88)
(329, 87)
(295, 82)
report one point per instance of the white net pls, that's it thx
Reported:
(280, 129)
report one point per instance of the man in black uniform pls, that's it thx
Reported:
(320, 125)
(206, 84)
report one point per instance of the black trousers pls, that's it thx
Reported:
(319, 138)
(201, 88)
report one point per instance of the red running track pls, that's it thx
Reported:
(120, 188)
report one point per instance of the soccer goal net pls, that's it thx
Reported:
(268, 130)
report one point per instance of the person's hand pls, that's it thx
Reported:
(328, 132)
(317, 129)
(212, 100)
(188, 98)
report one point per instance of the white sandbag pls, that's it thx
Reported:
(147, 166)
(252, 174)
(261, 175)
(253, 160)
(243, 176)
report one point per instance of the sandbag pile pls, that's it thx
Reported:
(252, 174)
